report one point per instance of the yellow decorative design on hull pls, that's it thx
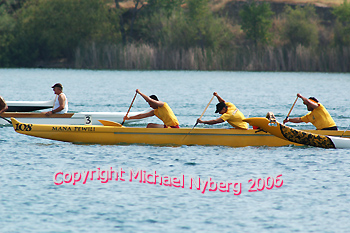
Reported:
(317, 138)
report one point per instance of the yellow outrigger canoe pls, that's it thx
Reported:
(166, 136)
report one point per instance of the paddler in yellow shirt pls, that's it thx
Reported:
(160, 110)
(318, 115)
(229, 112)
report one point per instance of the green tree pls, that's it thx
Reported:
(159, 30)
(301, 26)
(256, 21)
(7, 24)
(13, 5)
(207, 30)
(186, 27)
(199, 17)
(342, 27)
(52, 29)
(167, 7)
(163, 23)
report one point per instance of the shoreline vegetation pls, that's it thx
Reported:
(227, 35)
(145, 57)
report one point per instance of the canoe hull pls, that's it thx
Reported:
(28, 106)
(80, 118)
(162, 136)
(320, 138)
(167, 136)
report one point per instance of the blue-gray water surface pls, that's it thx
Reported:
(314, 195)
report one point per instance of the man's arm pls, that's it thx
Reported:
(149, 100)
(4, 109)
(62, 102)
(140, 116)
(211, 122)
(293, 120)
(218, 97)
(308, 102)
(3, 103)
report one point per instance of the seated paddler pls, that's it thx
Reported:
(60, 105)
(160, 109)
(229, 112)
(318, 115)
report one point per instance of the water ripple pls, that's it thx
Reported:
(312, 198)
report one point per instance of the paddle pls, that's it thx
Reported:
(291, 108)
(130, 107)
(110, 123)
(200, 116)
(345, 131)
(6, 120)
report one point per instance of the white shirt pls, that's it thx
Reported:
(57, 104)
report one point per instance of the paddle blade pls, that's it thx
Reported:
(110, 123)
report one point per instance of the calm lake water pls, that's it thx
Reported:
(314, 196)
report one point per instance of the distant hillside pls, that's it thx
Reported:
(217, 4)
(231, 8)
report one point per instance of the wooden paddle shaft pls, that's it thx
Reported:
(130, 107)
(292, 107)
(345, 131)
(6, 119)
(206, 107)
(200, 116)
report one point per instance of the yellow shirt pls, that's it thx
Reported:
(234, 118)
(319, 117)
(166, 115)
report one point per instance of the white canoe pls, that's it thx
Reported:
(79, 118)
(28, 106)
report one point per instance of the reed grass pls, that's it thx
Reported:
(147, 57)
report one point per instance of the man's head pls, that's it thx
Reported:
(154, 97)
(313, 99)
(221, 108)
(151, 104)
(57, 88)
